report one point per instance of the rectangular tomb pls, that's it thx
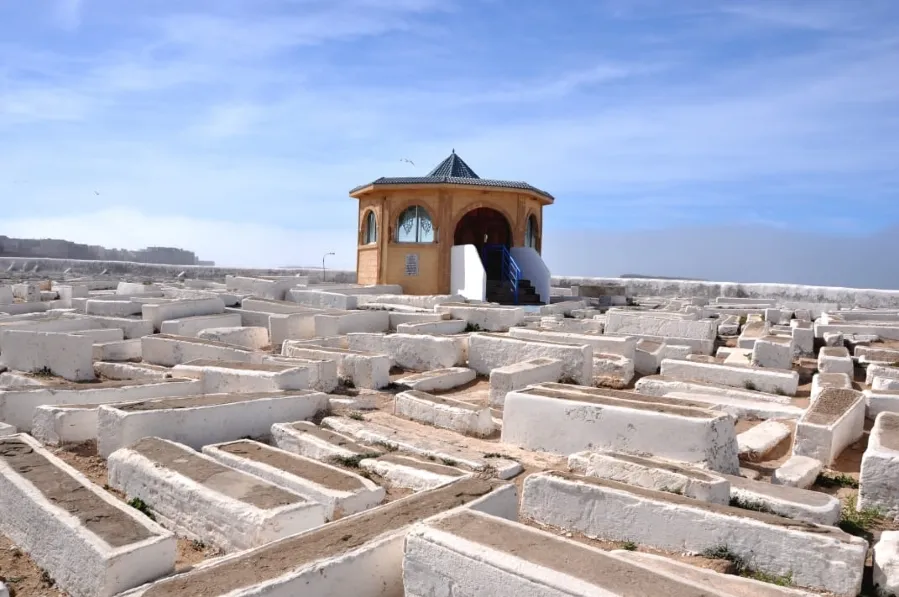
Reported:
(89, 542)
(652, 473)
(205, 500)
(468, 554)
(533, 418)
(776, 381)
(813, 556)
(835, 421)
(200, 420)
(309, 440)
(226, 376)
(407, 472)
(358, 556)
(879, 479)
(463, 417)
(487, 352)
(520, 375)
(166, 350)
(340, 492)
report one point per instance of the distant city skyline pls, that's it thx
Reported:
(749, 139)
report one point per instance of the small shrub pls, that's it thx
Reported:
(629, 546)
(722, 552)
(346, 383)
(352, 461)
(356, 416)
(43, 372)
(750, 386)
(859, 523)
(46, 580)
(198, 545)
(387, 447)
(782, 581)
(831, 479)
(448, 461)
(472, 327)
(141, 506)
(742, 320)
(497, 455)
(754, 505)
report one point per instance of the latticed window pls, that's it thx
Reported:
(415, 226)
(370, 231)
(530, 233)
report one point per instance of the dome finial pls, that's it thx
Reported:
(454, 150)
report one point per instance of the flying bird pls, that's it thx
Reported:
(406, 160)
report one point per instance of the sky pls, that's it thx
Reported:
(746, 140)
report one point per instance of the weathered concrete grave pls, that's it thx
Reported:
(879, 478)
(200, 498)
(652, 473)
(439, 379)
(790, 502)
(487, 352)
(469, 553)
(775, 381)
(756, 443)
(412, 473)
(419, 440)
(835, 359)
(89, 542)
(166, 350)
(814, 556)
(448, 413)
(361, 555)
(200, 420)
(835, 421)
(309, 440)
(363, 369)
(341, 492)
(520, 375)
(226, 376)
(626, 422)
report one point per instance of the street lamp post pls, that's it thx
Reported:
(323, 265)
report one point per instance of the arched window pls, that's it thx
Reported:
(370, 229)
(415, 226)
(530, 232)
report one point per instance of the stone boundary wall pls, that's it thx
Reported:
(78, 267)
(846, 297)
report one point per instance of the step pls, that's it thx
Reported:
(361, 555)
(813, 556)
(89, 543)
(200, 420)
(756, 443)
(197, 497)
(340, 492)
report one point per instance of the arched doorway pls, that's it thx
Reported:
(481, 227)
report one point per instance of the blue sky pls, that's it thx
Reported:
(236, 127)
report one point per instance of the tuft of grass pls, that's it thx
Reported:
(356, 416)
(448, 461)
(750, 386)
(387, 447)
(198, 545)
(46, 579)
(782, 581)
(472, 327)
(142, 507)
(742, 320)
(754, 505)
(722, 552)
(352, 461)
(859, 523)
(497, 455)
(43, 372)
(667, 489)
(629, 546)
(832, 479)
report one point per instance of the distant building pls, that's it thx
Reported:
(452, 231)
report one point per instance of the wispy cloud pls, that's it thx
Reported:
(634, 115)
